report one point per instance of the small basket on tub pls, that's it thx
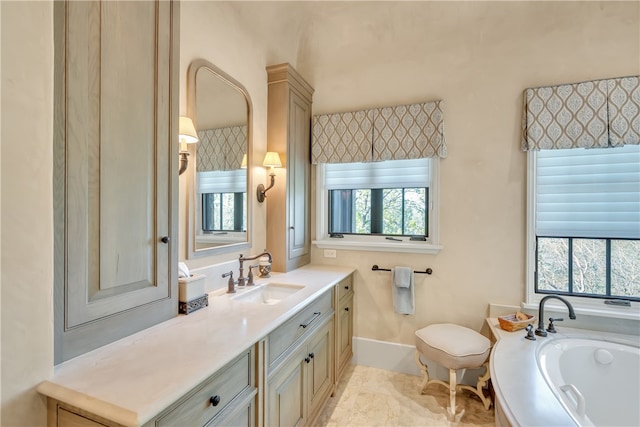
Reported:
(516, 321)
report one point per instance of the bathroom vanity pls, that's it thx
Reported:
(243, 360)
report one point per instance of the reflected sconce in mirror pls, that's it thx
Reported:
(272, 160)
(188, 135)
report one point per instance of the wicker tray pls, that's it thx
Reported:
(510, 323)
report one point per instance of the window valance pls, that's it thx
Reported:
(390, 133)
(221, 149)
(594, 114)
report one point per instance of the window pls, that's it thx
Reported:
(222, 196)
(586, 222)
(380, 204)
(223, 212)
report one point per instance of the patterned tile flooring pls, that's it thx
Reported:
(369, 397)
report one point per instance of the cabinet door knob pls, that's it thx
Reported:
(311, 355)
(346, 309)
(307, 359)
(214, 400)
(346, 287)
(165, 239)
(292, 228)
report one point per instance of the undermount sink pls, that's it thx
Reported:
(268, 294)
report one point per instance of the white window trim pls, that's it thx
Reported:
(378, 243)
(582, 305)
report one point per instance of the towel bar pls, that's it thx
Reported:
(376, 268)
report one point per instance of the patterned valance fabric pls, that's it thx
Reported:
(388, 133)
(409, 132)
(221, 149)
(623, 109)
(342, 137)
(595, 114)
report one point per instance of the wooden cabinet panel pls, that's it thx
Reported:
(214, 395)
(115, 152)
(301, 384)
(69, 419)
(287, 392)
(286, 335)
(320, 379)
(345, 333)
(288, 133)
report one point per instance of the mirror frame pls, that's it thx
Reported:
(194, 67)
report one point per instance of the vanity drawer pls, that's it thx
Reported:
(214, 395)
(345, 286)
(300, 324)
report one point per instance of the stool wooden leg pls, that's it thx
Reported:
(482, 381)
(425, 373)
(452, 393)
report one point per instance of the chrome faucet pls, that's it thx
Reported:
(540, 331)
(241, 279)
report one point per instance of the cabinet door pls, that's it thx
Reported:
(320, 365)
(299, 175)
(287, 393)
(345, 332)
(115, 142)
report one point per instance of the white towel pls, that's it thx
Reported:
(403, 294)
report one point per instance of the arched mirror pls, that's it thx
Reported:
(219, 209)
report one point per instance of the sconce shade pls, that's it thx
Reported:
(243, 164)
(272, 159)
(188, 132)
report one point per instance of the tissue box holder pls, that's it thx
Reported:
(191, 294)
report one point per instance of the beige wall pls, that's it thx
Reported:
(477, 57)
(27, 209)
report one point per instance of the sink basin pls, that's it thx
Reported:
(268, 294)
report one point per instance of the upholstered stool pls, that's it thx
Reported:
(454, 347)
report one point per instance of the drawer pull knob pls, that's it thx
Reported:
(307, 359)
(346, 309)
(308, 322)
(165, 239)
(346, 287)
(215, 400)
(311, 355)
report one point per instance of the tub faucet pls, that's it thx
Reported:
(241, 279)
(540, 331)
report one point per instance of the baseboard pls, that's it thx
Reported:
(396, 357)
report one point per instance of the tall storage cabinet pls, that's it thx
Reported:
(289, 133)
(115, 183)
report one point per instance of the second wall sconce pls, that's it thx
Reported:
(272, 160)
(188, 135)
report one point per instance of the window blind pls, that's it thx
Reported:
(234, 181)
(387, 174)
(588, 192)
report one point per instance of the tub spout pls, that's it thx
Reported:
(540, 331)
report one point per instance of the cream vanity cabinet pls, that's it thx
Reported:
(288, 134)
(115, 170)
(300, 364)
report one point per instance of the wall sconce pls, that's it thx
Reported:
(271, 159)
(188, 135)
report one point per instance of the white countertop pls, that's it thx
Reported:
(525, 397)
(132, 380)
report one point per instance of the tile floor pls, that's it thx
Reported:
(371, 397)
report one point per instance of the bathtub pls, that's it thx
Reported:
(597, 381)
(572, 378)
